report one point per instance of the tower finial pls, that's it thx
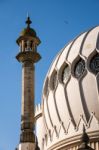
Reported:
(28, 21)
(84, 141)
(85, 138)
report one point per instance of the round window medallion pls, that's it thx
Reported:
(79, 68)
(94, 64)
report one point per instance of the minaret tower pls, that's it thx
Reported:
(28, 56)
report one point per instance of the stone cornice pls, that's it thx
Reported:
(28, 56)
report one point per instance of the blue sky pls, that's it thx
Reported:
(56, 22)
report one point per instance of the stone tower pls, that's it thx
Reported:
(28, 56)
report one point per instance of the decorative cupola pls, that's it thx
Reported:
(28, 56)
(28, 42)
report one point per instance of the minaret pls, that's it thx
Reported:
(28, 56)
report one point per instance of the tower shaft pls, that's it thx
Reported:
(27, 112)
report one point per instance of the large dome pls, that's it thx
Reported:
(71, 87)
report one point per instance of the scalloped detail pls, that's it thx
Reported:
(56, 136)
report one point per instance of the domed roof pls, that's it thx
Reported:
(28, 32)
(71, 87)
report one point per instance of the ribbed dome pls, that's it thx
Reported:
(28, 32)
(71, 87)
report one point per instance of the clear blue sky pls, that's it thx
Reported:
(56, 23)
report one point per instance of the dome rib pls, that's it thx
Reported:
(84, 39)
(59, 118)
(49, 125)
(83, 101)
(49, 113)
(45, 121)
(69, 108)
(71, 46)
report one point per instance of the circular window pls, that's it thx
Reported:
(79, 68)
(65, 74)
(94, 64)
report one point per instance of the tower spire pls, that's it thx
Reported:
(28, 56)
(27, 14)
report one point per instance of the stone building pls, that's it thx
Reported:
(68, 116)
